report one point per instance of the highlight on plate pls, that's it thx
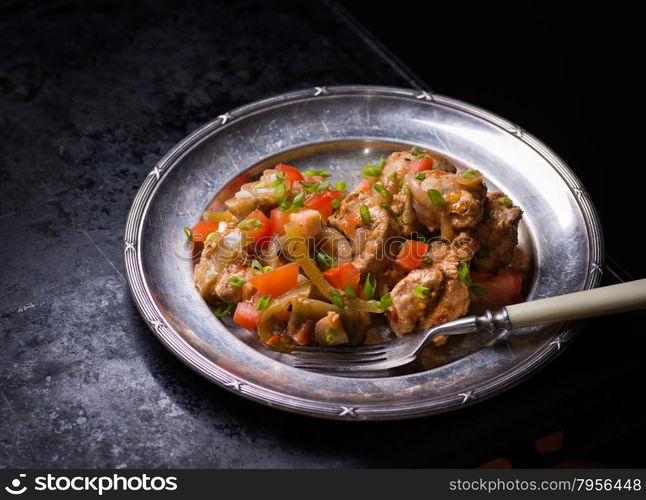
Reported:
(300, 259)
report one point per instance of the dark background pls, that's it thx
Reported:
(567, 76)
(92, 94)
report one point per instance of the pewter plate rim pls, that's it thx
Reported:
(272, 396)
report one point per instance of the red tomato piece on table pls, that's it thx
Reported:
(256, 225)
(278, 281)
(203, 228)
(278, 219)
(291, 173)
(323, 202)
(345, 274)
(246, 315)
(411, 254)
(500, 289)
(419, 165)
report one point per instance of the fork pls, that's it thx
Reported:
(378, 359)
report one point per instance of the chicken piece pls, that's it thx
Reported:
(444, 298)
(252, 195)
(368, 240)
(408, 309)
(447, 202)
(309, 222)
(497, 233)
(329, 330)
(222, 258)
(227, 292)
(394, 178)
(398, 162)
(332, 242)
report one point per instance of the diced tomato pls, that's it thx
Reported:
(411, 254)
(203, 228)
(419, 165)
(323, 201)
(500, 289)
(364, 186)
(291, 173)
(278, 219)
(278, 281)
(345, 274)
(258, 232)
(246, 315)
(273, 340)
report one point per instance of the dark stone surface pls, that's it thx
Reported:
(91, 96)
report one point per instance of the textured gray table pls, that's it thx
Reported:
(91, 96)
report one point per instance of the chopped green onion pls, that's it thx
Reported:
(259, 185)
(310, 188)
(483, 253)
(188, 233)
(408, 192)
(209, 237)
(436, 197)
(336, 203)
(369, 287)
(330, 336)
(259, 267)
(386, 301)
(463, 273)
(371, 170)
(383, 191)
(323, 173)
(294, 205)
(365, 214)
(280, 191)
(323, 186)
(221, 312)
(469, 174)
(389, 209)
(417, 153)
(421, 291)
(477, 290)
(337, 300)
(250, 224)
(507, 202)
(341, 186)
(420, 177)
(236, 280)
(402, 179)
(263, 303)
(349, 292)
(324, 260)
(393, 176)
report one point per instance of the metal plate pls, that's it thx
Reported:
(341, 128)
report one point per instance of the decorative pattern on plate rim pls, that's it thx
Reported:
(559, 341)
(320, 91)
(467, 396)
(348, 411)
(224, 118)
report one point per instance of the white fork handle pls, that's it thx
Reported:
(587, 304)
